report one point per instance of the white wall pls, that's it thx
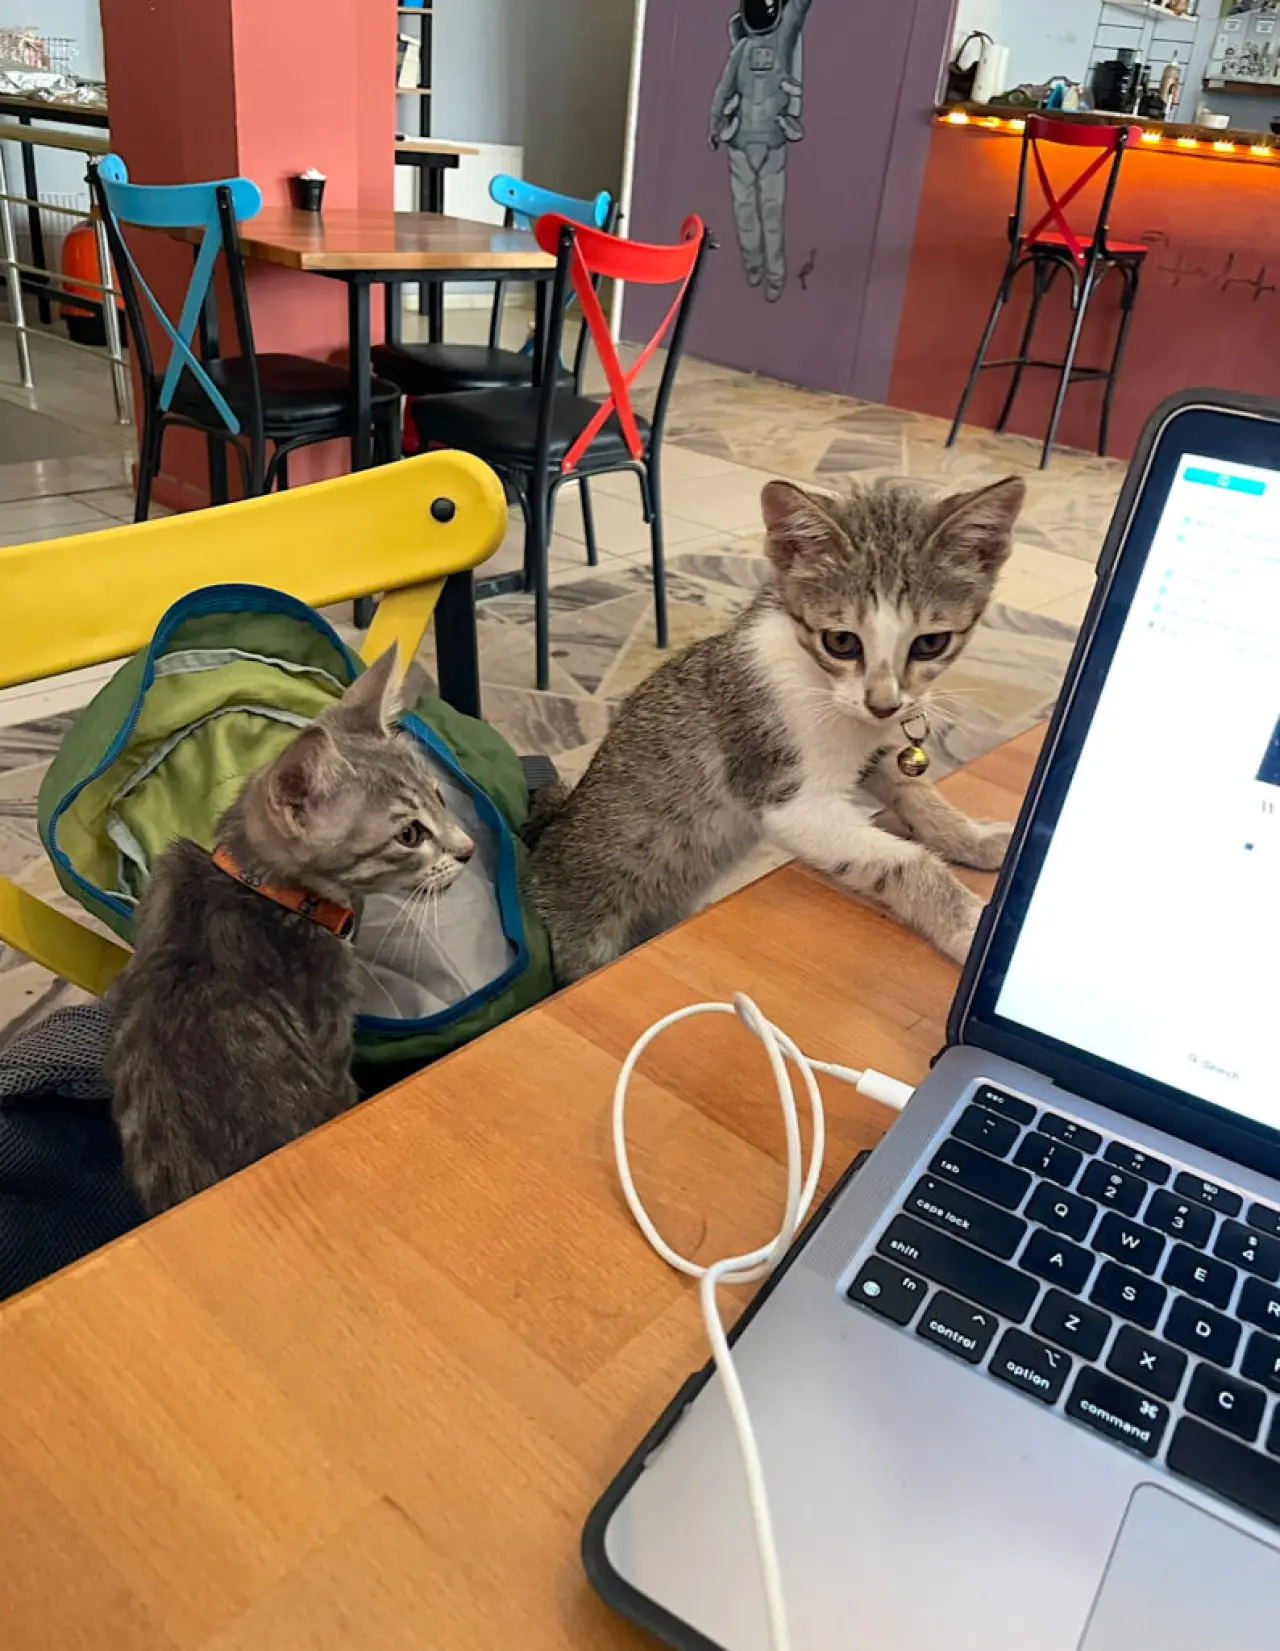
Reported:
(479, 70)
(550, 76)
(579, 65)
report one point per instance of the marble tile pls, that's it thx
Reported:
(54, 478)
(32, 743)
(727, 502)
(40, 516)
(621, 529)
(1070, 609)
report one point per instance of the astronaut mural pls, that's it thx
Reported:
(756, 115)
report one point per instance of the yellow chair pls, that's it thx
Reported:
(405, 529)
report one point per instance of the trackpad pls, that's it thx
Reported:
(1182, 1580)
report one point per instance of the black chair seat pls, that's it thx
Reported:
(445, 369)
(502, 427)
(296, 391)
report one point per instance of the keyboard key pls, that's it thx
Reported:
(959, 1212)
(1129, 1294)
(1134, 1162)
(1207, 1280)
(1251, 1251)
(1230, 1470)
(968, 1272)
(1118, 1411)
(1202, 1331)
(1052, 1159)
(1113, 1187)
(1031, 1365)
(1068, 1130)
(1179, 1218)
(1259, 1304)
(1264, 1218)
(961, 1329)
(988, 1130)
(887, 1290)
(986, 1176)
(1059, 1260)
(1022, 1112)
(1071, 1324)
(1261, 1362)
(1061, 1211)
(1147, 1363)
(1226, 1402)
(1208, 1193)
(1136, 1246)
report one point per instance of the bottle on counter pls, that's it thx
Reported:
(1171, 87)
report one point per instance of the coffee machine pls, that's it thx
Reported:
(1115, 83)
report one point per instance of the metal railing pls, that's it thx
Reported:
(54, 281)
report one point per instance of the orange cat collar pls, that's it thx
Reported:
(338, 919)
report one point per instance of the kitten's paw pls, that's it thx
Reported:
(956, 945)
(987, 846)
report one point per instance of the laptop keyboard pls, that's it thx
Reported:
(1140, 1300)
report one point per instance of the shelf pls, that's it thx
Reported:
(1149, 8)
(414, 11)
(413, 91)
(1254, 88)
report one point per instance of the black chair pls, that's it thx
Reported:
(441, 368)
(243, 401)
(541, 437)
(1051, 247)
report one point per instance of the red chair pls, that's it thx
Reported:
(541, 437)
(1052, 247)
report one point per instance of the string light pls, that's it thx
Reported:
(1150, 135)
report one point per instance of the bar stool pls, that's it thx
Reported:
(1051, 247)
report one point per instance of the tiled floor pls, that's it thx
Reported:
(728, 433)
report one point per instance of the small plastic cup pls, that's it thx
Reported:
(308, 192)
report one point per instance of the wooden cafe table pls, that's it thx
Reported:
(362, 1396)
(364, 247)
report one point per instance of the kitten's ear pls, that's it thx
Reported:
(302, 777)
(372, 703)
(977, 528)
(800, 532)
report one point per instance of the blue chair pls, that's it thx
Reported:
(244, 400)
(441, 369)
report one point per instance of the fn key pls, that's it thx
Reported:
(888, 1290)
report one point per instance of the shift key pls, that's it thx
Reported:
(967, 1272)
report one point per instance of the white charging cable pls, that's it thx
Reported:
(802, 1183)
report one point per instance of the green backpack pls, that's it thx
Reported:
(232, 673)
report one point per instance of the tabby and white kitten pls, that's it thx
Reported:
(785, 728)
(234, 1018)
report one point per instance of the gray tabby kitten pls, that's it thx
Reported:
(233, 1019)
(786, 728)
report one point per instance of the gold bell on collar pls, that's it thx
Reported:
(913, 759)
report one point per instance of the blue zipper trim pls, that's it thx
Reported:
(212, 599)
(263, 599)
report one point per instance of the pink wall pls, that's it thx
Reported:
(262, 88)
(1208, 310)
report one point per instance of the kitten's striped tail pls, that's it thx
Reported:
(545, 804)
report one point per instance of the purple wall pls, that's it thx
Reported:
(870, 79)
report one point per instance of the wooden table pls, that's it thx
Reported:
(362, 1397)
(368, 247)
(431, 158)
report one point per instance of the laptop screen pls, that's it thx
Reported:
(1151, 937)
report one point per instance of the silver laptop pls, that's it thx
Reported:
(1017, 1387)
